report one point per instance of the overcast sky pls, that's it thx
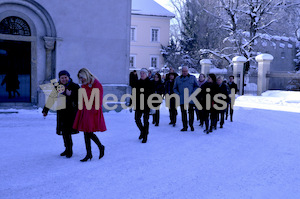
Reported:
(166, 4)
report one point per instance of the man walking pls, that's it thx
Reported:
(231, 85)
(186, 81)
(144, 88)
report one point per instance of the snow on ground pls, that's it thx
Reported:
(256, 156)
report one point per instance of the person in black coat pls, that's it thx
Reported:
(66, 117)
(158, 89)
(169, 90)
(209, 88)
(231, 85)
(222, 89)
(144, 88)
(133, 78)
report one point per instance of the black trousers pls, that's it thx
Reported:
(88, 136)
(144, 128)
(156, 117)
(205, 117)
(67, 140)
(222, 114)
(230, 107)
(213, 118)
(173, 111)
(184, 115)
(202, 116)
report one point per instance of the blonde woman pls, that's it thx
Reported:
(90, 120)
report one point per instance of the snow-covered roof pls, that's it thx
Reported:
(149, 8)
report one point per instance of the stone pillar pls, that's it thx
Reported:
(49, 46)
(205, 66)
(264, 62)
(238, 72)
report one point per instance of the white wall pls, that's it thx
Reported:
(94, 34)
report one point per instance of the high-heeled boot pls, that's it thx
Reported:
(86, 158)
(100, 146)
(87, 140)
(102, 151)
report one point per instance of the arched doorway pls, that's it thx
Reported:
(15, 61)
(31, 39)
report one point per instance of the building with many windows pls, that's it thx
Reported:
(150, 27)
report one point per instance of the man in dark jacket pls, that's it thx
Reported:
(66, 117)
(222, 89)
(144, 88)
(209, 88)
(231, 85)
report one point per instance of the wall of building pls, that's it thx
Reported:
(93, 35)
(89, 34)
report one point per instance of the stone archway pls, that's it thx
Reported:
(42, 52)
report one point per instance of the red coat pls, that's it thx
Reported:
(90, 120)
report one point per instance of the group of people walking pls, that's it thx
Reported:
(209, 112)
(90, 119)
(70, 120)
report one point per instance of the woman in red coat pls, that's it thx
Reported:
(89, 118)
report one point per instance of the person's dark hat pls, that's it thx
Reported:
(64, 72)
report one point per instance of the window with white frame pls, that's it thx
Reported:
(155, 34)
(133, 33)
(154, 61)
(132, 61)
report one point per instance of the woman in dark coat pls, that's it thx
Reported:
(158, 89)
(66, 116)
(169, 90)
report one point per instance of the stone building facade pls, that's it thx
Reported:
(40, 38)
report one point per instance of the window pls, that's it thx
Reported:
(154, 61)
(14, 26)
(154, 34)
(132, 61)
(133, 33)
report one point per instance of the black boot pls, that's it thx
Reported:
(145, 137)
(69, 153)
(64, 153)
(100, 146)
(101, 151)
(86, 158)
(68, 144)
(141, 136)
(87, 140)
